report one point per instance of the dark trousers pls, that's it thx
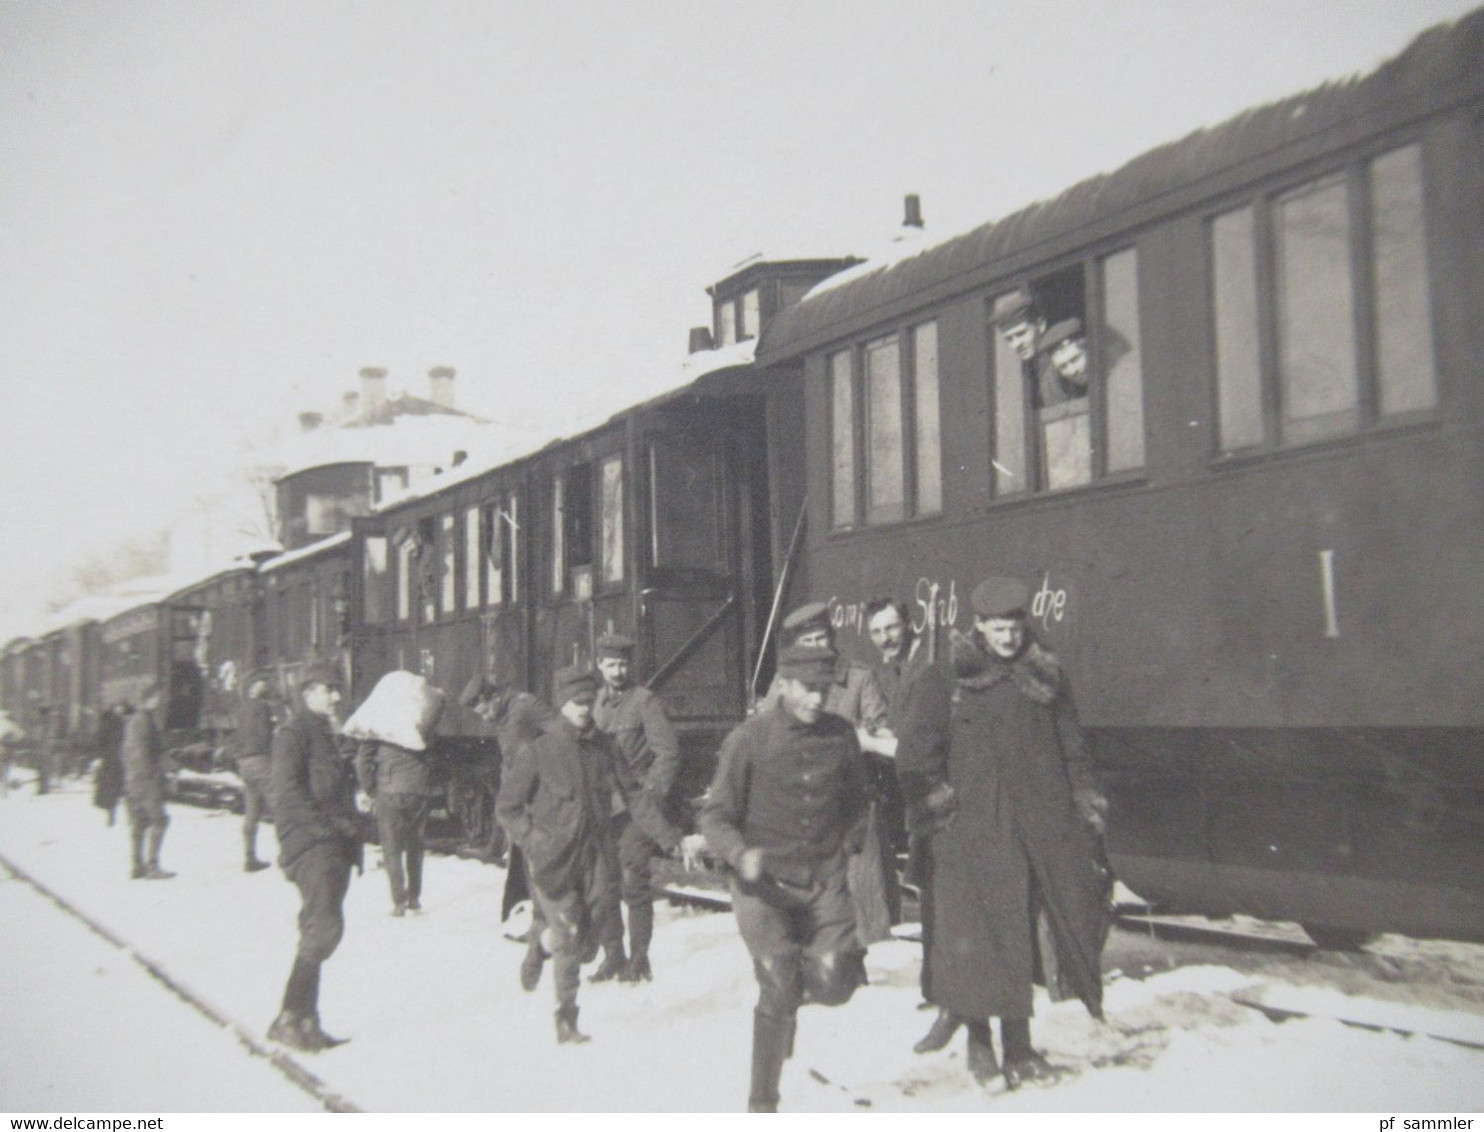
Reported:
(920, 871)
(255, 773)
(636, 850)
(802, 940)
(574, 921)
(322, 875)
(517, 884)
(402, 820)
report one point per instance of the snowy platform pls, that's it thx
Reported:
(437, 1021)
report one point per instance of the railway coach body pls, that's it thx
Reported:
(1251, 527)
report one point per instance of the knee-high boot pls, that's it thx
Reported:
(772, 1044)
(641, 931)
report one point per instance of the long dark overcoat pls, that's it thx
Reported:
(1014, 755)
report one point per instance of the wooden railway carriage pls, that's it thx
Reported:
(304, 613)
(656, 524)
(1253, 535)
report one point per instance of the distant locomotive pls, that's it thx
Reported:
(1246, 520)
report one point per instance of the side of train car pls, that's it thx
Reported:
(655, 524)
(1254, 536)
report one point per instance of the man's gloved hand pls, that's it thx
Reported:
(750, 865)
(691, 848)
(1092, 807)
(936, 811)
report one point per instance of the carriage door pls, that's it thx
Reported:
(692, 602)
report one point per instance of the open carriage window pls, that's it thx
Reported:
(1068, 392)
(612, 547)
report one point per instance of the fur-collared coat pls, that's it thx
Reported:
(1008, 742)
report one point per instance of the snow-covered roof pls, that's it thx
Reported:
(304, 552)
(406, 441)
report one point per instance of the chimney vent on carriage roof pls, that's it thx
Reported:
(700, 339)
(440, 386)
(373, 389)
(913, 219)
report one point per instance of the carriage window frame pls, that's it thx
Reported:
(1117, 417)
(885, 471)
(1375, 305)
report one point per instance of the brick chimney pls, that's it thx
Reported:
(308, 422)
(440, 386)
(373, 389)
(913, 217)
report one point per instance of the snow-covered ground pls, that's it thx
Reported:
(439, 1024)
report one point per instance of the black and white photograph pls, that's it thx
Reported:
(855, 556)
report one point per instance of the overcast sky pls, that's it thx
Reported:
(214, 214)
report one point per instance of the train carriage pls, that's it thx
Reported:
(655, 524)
(1250, 528)
(304, 611)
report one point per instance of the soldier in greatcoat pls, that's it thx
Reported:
(556, 795)
(319, 841)
(145, 788)
(1025, 837)
(254, 741)
(647, 760)
(786, 809)
(108, 777)
(399, 784)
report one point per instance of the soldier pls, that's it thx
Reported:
(144, 787)
(254, 764)
(108, 778)
(555, 802)
(1021, 324)
(648, 758)
(853, 691)
(319, 841)
(1026, 835)
(514, 718)
(786, 808)
(398, 784)
(1066, 347)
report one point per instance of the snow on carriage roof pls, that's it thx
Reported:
(303, 552)
(408, 440)
(642, 389)
(903, 277)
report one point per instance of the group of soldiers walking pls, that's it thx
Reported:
(1004, 818)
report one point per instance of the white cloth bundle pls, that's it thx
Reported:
(402, 709)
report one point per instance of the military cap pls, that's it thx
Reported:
(266, 675)
(614, 644)
(806, 616)
(478, 688)
(1000, 597)
(321, 672)
(1014, 307)
(569, 683)
(1058, 333)
(808, 663)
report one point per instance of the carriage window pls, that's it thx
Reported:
(472, 557)
(493, 554)
(1122, 362)
(1316, 311)
(884, 488)
(447, 565)
(405, 562)
(1009, 420)
(613, 546)
(749, 314)
(842, 438)
(1321, 379)
(1234, 295)
(926, 420)
(683, 503)
(374, 579)
(427, 567)
(726, 316)
(1406, 377)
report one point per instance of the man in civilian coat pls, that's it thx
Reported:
(145, 788)
(556, 796)
(1025, 838)
(787, 808)
(319, 841)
